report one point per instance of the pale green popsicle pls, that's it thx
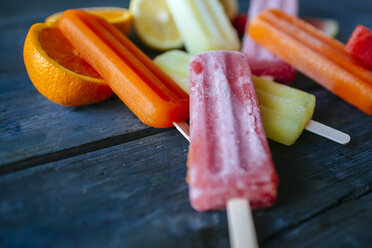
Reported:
(203, 25)
(285, 111)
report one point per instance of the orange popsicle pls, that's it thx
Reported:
(314, 54)
(138, 82)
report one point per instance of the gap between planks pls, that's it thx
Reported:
(350, 197)
(79, 150)
(125, 138)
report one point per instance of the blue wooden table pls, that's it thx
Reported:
(96, 176)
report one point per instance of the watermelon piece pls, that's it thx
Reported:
(239, 23)
(360, 45)
(328, 26)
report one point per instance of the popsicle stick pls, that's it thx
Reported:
(312, 126)
(268, 78)
(183, 128)
(328, 132)
(241, 228)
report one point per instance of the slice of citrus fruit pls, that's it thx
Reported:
(119, 17)
(154, 24)
(58, 72)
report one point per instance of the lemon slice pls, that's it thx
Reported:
(119, 17)
(154, 24)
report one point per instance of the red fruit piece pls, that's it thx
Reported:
(360, 44)
(239, 23)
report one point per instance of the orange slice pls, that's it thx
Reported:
(58, 72)
(119, 17)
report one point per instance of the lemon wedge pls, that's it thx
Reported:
(154, 24)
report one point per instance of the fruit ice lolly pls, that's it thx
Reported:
(285, 111)
(139, 83)
(261, 61)
(229, 156)
(203, 25)
(316, 55)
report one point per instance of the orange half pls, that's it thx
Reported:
(58, 72)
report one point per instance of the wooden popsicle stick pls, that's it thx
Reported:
(241, 227)
(183, 128)
(312, 126)
(327, 132)
(268, 78)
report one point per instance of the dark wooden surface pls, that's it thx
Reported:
(95, 176)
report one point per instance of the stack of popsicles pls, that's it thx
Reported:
(158, 101)
(229, 156)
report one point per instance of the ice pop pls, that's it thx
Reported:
(228, 155)
(285, 110)
(139, 83)
(316, 55)
(261, 61)
(203, 25)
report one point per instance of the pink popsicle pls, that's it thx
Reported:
(261, 61)
(229, 156)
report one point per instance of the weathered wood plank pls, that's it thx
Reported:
(31, 125)
(315, 171)
(135, 195)
(142, 175)
(348, 225)
(11, 47)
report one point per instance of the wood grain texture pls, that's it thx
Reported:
(339, 227)
(117, 196)
(11, 47)
(32, 126)
(101, 178)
